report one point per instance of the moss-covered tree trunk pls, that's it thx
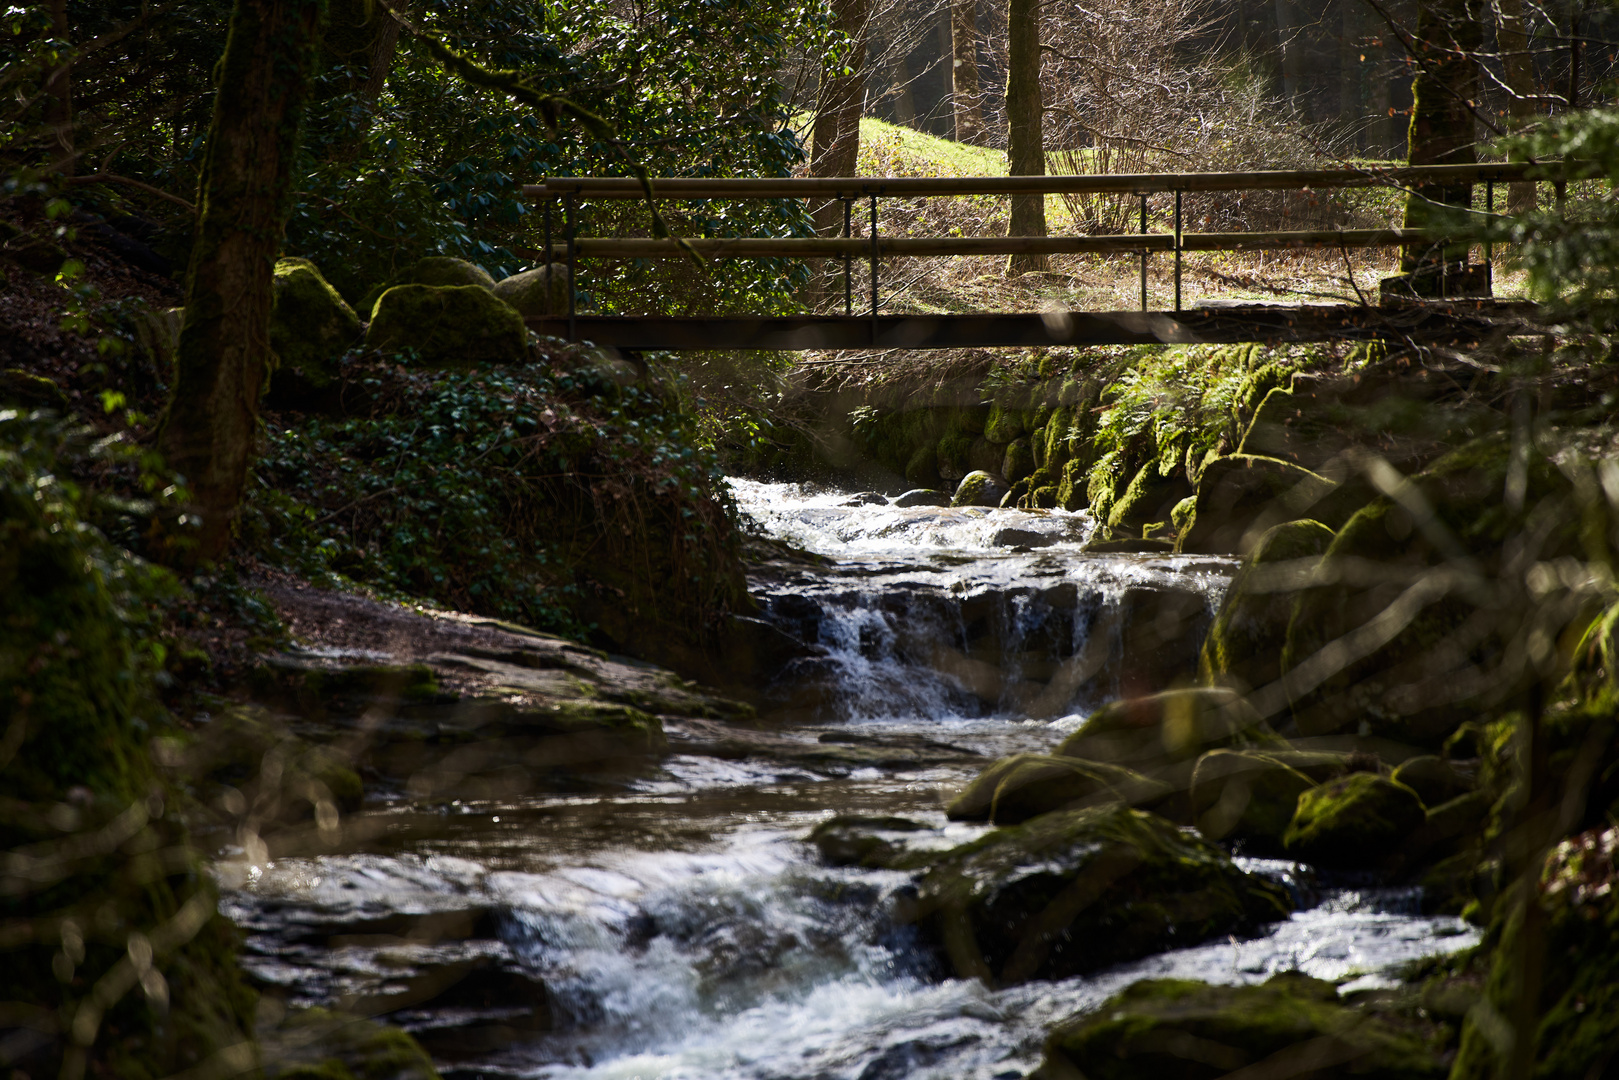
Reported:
(837, 115)
(209, 430)
(964, 93)
(1512, 39)
(1444, 94)
(1025, 129)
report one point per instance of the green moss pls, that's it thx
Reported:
(1019, 461)
(1004, 424)
(1247, 795)
(1101, 483)
(979, 489)
(1178, 1029)
(447, 326)
(311, 326)
(1023, 786)
(19, 387)
(1243, 647)
(444, 270)
(317, 1044)
(1240, 496)
(922, 467)
(876, 842)
(954, 454)
(1043, 498)
(1357, 821)
(1071, 493)
(536, 293)
(1072, 891)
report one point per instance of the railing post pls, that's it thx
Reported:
(848, 260)
(1143, 195)
(1177, 251)
(874, 270)
(1489, 210)
(571, 225)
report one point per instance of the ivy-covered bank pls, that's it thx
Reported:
(426, 447)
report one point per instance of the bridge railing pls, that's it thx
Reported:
(569, 192)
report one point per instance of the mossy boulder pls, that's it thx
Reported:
(454, 326)
(1073, 891)
(921, 497)
(1439, 666)
(442, 270)
(1174, 725)
(979, 489)
(24, 388)
(1018, 461)
(872, 842)
(1289, 1025)
(1004, 424)
(311, 326)
(1023, 786)
(922, 467)
(1353, 823)
(1243, 649)
(1240, 496)
(984, 456)
(1071, 492)
(1245, 795)
(536, 293)
(1149, 499)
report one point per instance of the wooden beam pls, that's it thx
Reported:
(1452, 321)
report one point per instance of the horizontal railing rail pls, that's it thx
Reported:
(571, 191)
(833, 187)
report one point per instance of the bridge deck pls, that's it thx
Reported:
(1452, 320)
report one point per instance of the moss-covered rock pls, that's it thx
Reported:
(1018, 461)
(538, 292)
(1245, 795)
(1243, 649)
(1072, 493)
(1073, 891)
(1004, 424)
(447, 326)
(979, 489)
(1241, 496)
(922, 467)
(311, 326)
(19, 387)
(445, 270)
(1420, 683)
(1353, 823)
(1023, 786)
(873, 842)
(1174, 725)
(1149, 498)
(921, 497)
(984, 456)
(1293, 1025)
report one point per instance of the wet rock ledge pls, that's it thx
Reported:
(437, 704)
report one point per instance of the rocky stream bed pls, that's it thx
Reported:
(569, 864)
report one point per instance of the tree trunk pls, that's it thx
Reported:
(1290, 49)
(1351, 110)
(1442, 124)
(210, 427)
(1025, 138)
(357, 46)
(59, 98)
(1512, 39)
(835, 146)
(964, 71)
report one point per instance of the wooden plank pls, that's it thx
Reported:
(1453, 321)
(612, 187)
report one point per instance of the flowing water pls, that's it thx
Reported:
(682, 928)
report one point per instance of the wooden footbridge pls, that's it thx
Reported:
(1456, 316)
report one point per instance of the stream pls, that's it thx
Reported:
(676, 924)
